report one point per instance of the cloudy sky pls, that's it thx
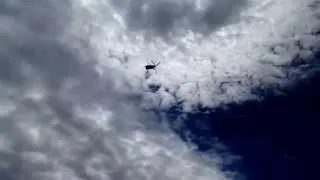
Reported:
(76, 102)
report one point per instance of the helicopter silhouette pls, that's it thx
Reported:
(151, 66)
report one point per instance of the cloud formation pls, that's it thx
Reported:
(64, 118)
(226, 65)
(163, 17)
(71, 72)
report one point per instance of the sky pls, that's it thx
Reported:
(76, 102)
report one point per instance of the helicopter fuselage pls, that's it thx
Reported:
(150, 67)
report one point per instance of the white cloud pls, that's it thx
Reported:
(63, 118)
(211, 69)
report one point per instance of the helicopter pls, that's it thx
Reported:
(151, 66)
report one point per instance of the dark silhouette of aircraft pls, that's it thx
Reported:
(151, 66)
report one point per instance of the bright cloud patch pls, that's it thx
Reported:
(64, 117)
(211, 52)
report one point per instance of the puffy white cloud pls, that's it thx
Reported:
(245, 47)
(64, 117)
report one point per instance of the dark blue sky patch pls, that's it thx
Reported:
(277, 138)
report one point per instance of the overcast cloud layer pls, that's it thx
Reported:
(73, 83)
